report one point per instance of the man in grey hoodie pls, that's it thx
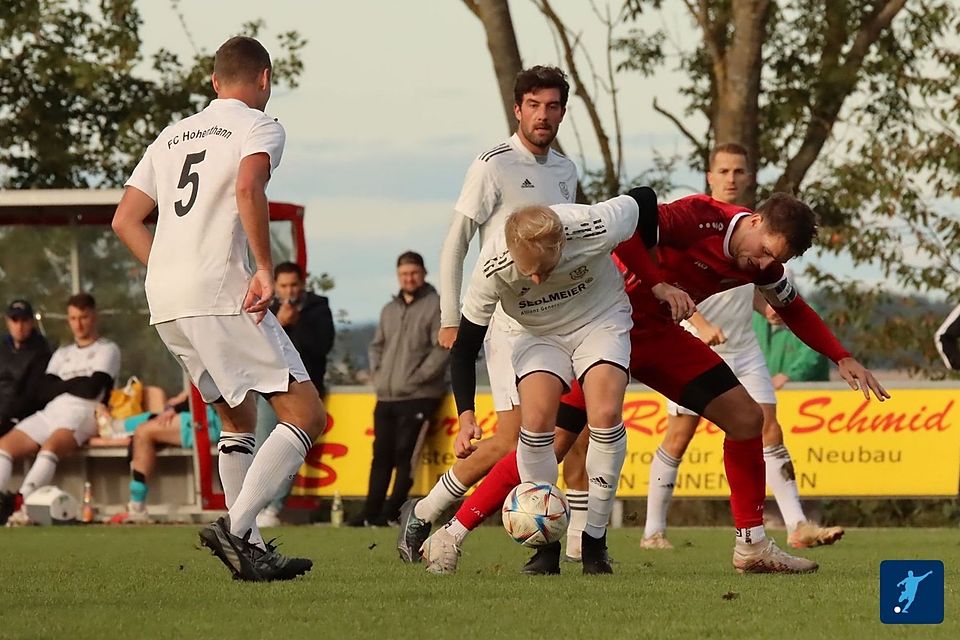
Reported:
(409, 370)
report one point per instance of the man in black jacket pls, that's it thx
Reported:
(24, 354)
(307, 319)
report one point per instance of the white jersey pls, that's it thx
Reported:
(498, 182)
(584, 286)
(72, 361)
(199, 263)
(732, 311)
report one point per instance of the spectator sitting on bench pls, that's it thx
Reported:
(173, 427)
(78, 378)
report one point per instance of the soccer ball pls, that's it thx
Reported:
(536, 514)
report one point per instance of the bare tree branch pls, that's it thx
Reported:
(701, 148)
(832, 93)
(472, 5)
(611, 180)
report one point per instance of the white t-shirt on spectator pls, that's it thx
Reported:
(199, 264)
(584, 286)
(72, 361)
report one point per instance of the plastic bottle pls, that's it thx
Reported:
(336, 510)
(86, 511)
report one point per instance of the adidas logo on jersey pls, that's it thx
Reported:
(600, 481)
(527, 184)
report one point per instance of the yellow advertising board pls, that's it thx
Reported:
(841, 445)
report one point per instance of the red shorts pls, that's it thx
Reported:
(669, 359)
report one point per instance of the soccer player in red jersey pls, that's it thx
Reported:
(705, 246)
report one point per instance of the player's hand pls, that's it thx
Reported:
(860, 378)
(712, 335)
(259, 293)
(681, 304)
(469, 431)
(447, 336)
(287, 314)
(779, 380)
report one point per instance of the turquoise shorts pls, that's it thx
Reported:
(186, 425)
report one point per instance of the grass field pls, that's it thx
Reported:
(155, 582)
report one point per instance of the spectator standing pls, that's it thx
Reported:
(24, 354)
(409, 370)
(787, 357)
(307, 320)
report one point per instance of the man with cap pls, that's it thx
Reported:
(24, 354)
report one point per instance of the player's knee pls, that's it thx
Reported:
(748, 421)
(605, 417)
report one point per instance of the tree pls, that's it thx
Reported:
(76, 115)
(853, 106)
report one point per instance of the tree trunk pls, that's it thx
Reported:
(738, 80)
(502, 44)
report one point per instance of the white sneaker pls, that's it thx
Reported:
(268, 518)
(766, 557)
(441, 552)
(810, 534)
(19, 518)
(656, 541)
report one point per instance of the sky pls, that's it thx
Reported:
(395, 101)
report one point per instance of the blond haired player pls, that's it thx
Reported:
(521, 170)
(550, 270)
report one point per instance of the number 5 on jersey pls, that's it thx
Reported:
(189, 178)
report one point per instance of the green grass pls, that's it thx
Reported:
(154, 582)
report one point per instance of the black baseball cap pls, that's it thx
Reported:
(19, 310)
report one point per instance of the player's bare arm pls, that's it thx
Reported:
(811, 329)
(252, 178)
(128, 223)
(710, 334)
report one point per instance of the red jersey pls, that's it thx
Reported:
(693, 248)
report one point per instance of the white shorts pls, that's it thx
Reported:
(751, 369)
(498, 348)
(63, 412)
(229, 356)
(570, 355)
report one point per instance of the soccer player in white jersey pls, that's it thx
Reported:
(79, 376)
(522, 170)
(724, 321)
(206, 175)
(550, 270)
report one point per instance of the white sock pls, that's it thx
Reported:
(447, 491)
(605, 456)
(663, 478)
(750, 535)
(279, 457)
(40, 474)
(578, 520)
(6, 468)
(783, 481)
(536, 459)
(457, 530)
(236, 455)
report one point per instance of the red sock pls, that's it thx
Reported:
(491, 493)
(743, 462)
